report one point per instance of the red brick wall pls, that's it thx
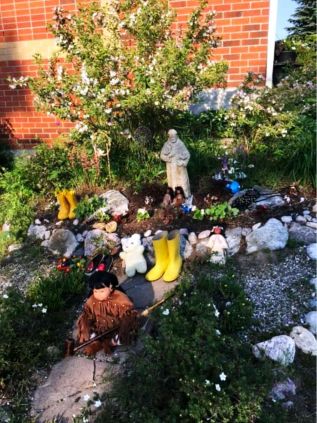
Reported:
(242, 24)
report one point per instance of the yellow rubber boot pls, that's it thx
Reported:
(161, 257)
(63, 206)
(71, 198)
(175, 260)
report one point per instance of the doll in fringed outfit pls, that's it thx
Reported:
(107, 308)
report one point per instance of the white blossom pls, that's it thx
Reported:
(207, 382)
(5, 296)
(97, 403)
(44, 310)
(166, 312)
(217, 386)
(223, 376)
(86, 397)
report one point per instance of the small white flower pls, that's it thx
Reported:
(207, 382)
(44, 310)
(251, 166)
(40, 305)
(222, 376)
(217, 314)
(34, 305)
(217, 386)
(86, 397)
(5, 296)
(97, 403)
(166, 312)
(108, 111)
(302, 199)
(218, 332)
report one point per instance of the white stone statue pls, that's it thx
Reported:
(176, 156)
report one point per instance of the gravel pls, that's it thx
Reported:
(278, 286)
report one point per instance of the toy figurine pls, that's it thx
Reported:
(168, 197)
(106, 309)
(179, 197)
(218, 245)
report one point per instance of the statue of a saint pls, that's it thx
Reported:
(176, 156)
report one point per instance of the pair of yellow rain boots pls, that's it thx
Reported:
(168, 261)
(67, 204)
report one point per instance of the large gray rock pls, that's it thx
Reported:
(97, 240)
(62, 242)
(304, 340)
(37, 231)
(273, 236)
(279, 348)
(301, 233)
(117, 203)
(311, 320)
(70, 384)
(233, 238)
(312, 251)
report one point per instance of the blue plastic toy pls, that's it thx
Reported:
(233, 186)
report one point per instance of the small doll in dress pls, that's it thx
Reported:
(107, 308)
(218, 246)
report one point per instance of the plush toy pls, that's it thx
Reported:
(132, 255)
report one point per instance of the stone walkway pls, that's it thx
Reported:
(76, 380)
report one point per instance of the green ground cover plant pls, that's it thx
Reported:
(30, 324)
(197, 366)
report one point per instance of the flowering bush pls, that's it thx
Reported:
(279, 123)
(196, 367)
(128, 66)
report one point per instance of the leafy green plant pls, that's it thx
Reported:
(88, 206)
(56, 290)
(199, 214)
(142, 214)
(29, 325)
(196, 366)
(221, 211)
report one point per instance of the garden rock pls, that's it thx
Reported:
(5, 227)
(311, 320)
(313, 282)
(95, 241)
(37, 231)
(62, 242)
(304, 340)
(37, 222)
(272, 236)
(300, 219)
(312, 225)
(286, 219)
(204, 234)
(283, 390)
(267, 198)
(80, 238)
(67, 388)
(75, 222)
(246, 231)
(314, 209)
(312, 251)
(117, 203)
(147, 233)
(308, 218)
(188, 251)
(300, 233)
(192, 238)
(14, 247)
(279, 348)
(202, 250)
(183, 231)
(306, 213)
(256, 226)
(233, 238)
(47, 234)
(182, 246)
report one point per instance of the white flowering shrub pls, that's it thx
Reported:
(123, 65)
(279, 123)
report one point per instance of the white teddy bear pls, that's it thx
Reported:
(132, 255)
